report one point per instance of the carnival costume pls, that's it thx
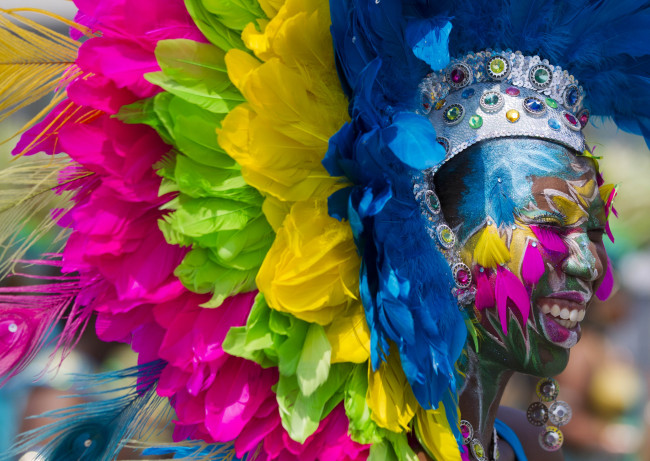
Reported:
(245, 191)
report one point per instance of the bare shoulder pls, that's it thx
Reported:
(528, 435)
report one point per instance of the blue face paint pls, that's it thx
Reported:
(498, 175)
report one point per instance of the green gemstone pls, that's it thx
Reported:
(552, 103)
(446, 235)
(453, 113)
(497, 66)
(541, 76)
(478, 449)
(491, 99)
(433, 202)
(476, 121)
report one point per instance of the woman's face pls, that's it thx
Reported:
(532, 188)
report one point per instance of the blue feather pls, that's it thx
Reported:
(98, 430)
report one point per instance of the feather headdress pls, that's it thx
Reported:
(238, 196)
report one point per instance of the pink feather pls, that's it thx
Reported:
(609, 232)
(484, 292)
(606, 286)
(509, 287)
(550, 240)
(532, 267)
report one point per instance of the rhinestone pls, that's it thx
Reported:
(440, 104)
(13, 328)
(547, 389)
(467, 431)
(454, 114)
(559, 413)
(457, 75)
(571, 121)
(540, 76)
(554, 124)
(583, 117)
(552, 103)
(468, 93)
(512, 91)
(446, 237)
(477, 450)
(460, 75)
(571, 96)
(462, 275)
(534, 106)
(512, 115)
(432, 202)
(491, 101)
(88, 443)
(498, 67)
(551, 439)
(475, 121)
(537, 414)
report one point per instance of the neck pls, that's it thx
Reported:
(481, 395)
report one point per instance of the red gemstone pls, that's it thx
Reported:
(584, 118)
(572, 120)
(462, 276)
(457, 75)
(512, 91)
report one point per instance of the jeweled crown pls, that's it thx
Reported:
(493, 94)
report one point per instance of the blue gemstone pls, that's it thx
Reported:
(534, 105)
(572, 97)
(554, 124)
(468, 93)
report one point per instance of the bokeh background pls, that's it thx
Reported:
(607, 382)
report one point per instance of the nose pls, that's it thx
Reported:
(582, 260)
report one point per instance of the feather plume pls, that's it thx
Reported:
(490, 250)
(532, 267)
(29, 314)
(33, 60)
(509, 288)
(607, 285)
(549, 239)
(32, 199)
(99, 429)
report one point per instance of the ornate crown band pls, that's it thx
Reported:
(494, 94)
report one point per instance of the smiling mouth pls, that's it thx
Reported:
(564, 312)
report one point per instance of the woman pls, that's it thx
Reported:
(377, 311)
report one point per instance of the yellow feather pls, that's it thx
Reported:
(605, 191)
(311, 265)
(435, 435)
(490, 249)
(350, 337)
(33, 60)
(26, 198)
(390, 397)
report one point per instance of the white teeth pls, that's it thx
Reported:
(565, 314)
(581, 316)
(574, 316)
(555, 310)
(566, 323)
(546, 309)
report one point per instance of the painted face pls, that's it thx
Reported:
(541, 206)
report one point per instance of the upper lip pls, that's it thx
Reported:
(573, 296)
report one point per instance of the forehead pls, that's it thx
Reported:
(504, 176)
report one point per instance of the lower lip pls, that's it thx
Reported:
(558, 334)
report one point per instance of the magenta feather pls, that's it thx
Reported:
(532, 267)
(609, 232)
(550, 240)
(484, 292)
(606, 286)
(509, 287)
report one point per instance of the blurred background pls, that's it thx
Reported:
(607, 382)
